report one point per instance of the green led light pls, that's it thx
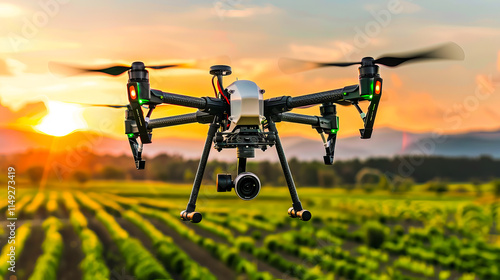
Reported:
(142, 101)
(367, 96)
(130, 135)
(335, 130)
(345, 93)
(371, 86)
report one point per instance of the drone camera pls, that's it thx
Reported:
(224, 183)
(247, 185)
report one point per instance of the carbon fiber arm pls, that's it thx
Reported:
(278, 105)
(179, 99)
(298, 118)
(320, 97)
(210, 105)
(199, 116)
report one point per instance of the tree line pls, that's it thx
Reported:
(174, 168)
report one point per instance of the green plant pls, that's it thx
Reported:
(374, 234)
(47, 264)
(496, 188)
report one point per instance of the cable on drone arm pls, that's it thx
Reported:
(213, 86)
(219, 86)
(148, 116)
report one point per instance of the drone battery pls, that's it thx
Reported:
(246, 104)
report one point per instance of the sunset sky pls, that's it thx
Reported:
(440, 96)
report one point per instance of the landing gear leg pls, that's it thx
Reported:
(296, 210)
(189, 214)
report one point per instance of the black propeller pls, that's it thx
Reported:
(101, 105)
(108, 105)
(115, 70)
(444, 51)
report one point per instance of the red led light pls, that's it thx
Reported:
(132, 93)
(378, 86)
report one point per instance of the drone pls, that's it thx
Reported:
(240, 118)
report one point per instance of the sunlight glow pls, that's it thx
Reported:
(9, 10)
(62, 119)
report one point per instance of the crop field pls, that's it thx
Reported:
(127, 230)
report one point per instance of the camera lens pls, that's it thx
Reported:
(247, 185)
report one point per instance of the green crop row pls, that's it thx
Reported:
(260, 223)
(172, 256)
(222, 252)
(22, 234)
(37, 201)
(107, 203)
(217, 229)
(52, 202)
(93, 265)
(138, 259)
(433, 246)
(328, 258)
(289, 268)
(414, 266)
(47, 264)
(235, 224)
(376, 254)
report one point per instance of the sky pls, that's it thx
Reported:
(439, 96)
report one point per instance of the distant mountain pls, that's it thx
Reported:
(385, 142)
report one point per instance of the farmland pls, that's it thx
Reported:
(132, 230)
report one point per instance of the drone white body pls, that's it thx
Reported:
(247, 104)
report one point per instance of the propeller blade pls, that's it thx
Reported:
(111, 106)
(158, 67)
(115, 70)
(70, 70)
(446, 51)
(290, 65)
(106, 105)
(97, 105)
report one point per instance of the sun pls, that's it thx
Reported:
(62, 119)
